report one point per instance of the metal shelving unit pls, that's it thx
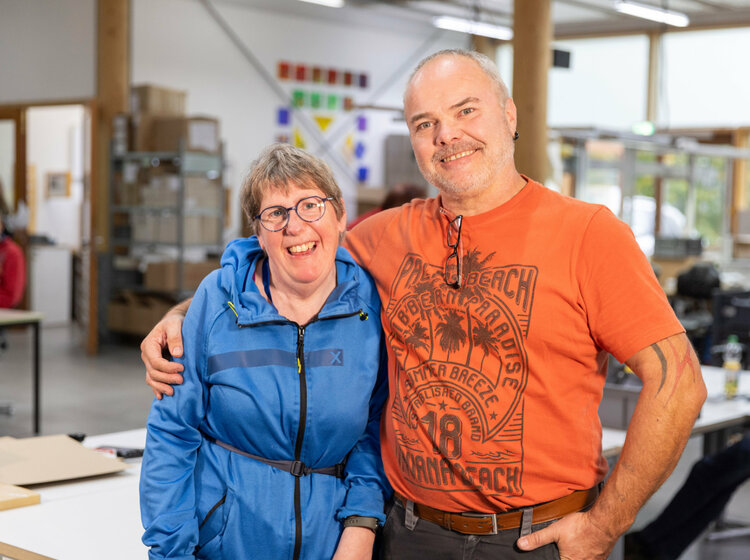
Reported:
(163, 205)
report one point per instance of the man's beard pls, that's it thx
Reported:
(479, 177)
(463, 184)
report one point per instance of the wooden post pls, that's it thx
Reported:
(532, 36)
(112, 92)
(654, 73)
(485, 45)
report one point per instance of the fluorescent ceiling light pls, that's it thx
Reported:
(473, 27)
(329, 3)
(678, 19)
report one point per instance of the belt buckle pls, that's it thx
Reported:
(297, 468)
(491, 515)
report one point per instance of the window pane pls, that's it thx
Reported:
(605, 85)
(706, 82)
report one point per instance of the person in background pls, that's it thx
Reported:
(12, 269)
(271, 449)
(401, 193)
(699, 501)
(501, 301)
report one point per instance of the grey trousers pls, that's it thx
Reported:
(429, 541)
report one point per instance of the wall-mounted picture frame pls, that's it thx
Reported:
(58, 184)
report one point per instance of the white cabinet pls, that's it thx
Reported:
(49, 281)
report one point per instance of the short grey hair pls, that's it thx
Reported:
(277, 167)
(487, 65)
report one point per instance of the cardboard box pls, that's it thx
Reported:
(140, 132)
(200, 193)
(127, 194)
(143, 228)
(157, 100)
(14, 496)
(155, 228)
(132, 314)
(163, 275)
(200, 134)
(43, 459)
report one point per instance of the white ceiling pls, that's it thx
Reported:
(570, 17)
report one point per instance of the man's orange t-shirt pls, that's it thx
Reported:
(495, 387)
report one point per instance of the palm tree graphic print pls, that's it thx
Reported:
(461, 371)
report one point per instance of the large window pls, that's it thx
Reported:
(706, 80)
(604, 87)
(628, 176)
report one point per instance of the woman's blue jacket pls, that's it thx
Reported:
(271, 388)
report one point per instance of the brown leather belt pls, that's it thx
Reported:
(491, 523)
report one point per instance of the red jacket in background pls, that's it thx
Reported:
(12, 272)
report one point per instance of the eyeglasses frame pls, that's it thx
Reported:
(289, 212)
(454, 254)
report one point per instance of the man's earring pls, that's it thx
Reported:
(515, 136)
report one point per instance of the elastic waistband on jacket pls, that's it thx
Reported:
(295, 468)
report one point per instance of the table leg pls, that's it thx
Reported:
(37, 380)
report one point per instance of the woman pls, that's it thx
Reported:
(271, 447)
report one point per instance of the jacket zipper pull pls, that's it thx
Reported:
(300, 346)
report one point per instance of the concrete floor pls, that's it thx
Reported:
(79, 393)
(107, 393)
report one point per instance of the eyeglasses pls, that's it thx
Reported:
(453, 262)
(309, 209)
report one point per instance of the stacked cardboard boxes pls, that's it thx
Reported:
(149, 227)
(135, 314)
(200, 192)
(156, 197)
(159, 122)
(200, 134)
(164, 275)
(148, 103)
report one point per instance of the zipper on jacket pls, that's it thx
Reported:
(363, 316)
(300, 437)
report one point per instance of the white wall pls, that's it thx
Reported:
(175, 43)
(47, 50)
(54, 145)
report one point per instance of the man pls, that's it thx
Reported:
(501, 300)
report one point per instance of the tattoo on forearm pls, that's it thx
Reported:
(682, 363)
(663, 361)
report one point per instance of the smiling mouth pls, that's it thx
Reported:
(459, 155)
(303, 248)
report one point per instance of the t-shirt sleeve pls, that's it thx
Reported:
(626, 306)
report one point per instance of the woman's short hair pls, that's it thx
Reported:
(277, 167)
